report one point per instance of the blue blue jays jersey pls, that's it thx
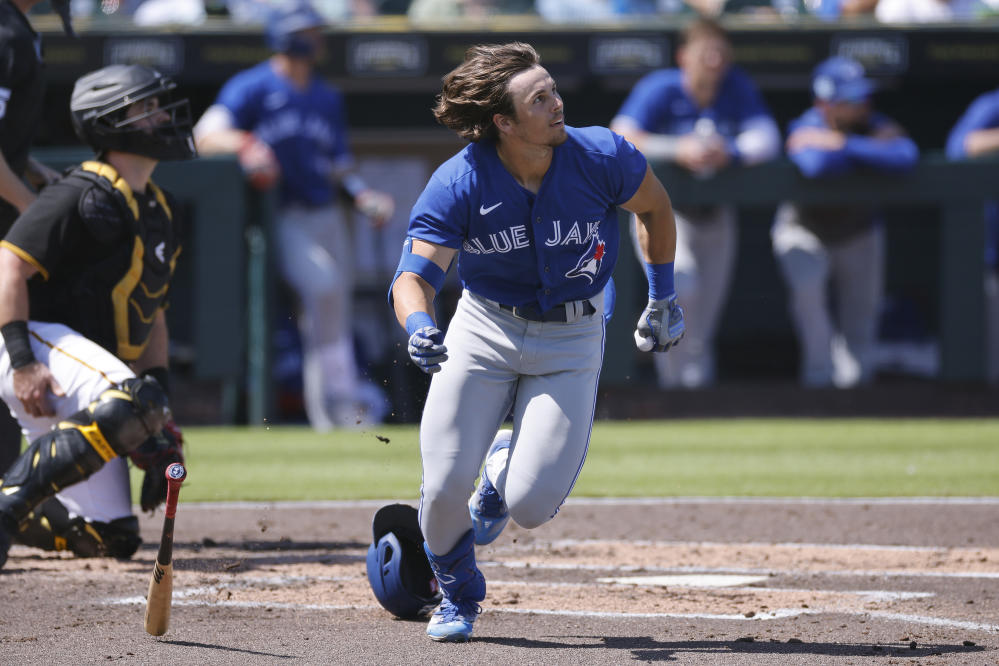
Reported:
(982, 114)
(519, 248)
(659, 104)
(306, 129)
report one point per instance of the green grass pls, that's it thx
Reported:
(753, 457)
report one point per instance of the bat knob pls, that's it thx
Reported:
(176, 473)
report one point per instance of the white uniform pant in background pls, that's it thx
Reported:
(705, 257)
(84, 370)
(992, 327)
(835, 350)
(547, 373)
(314, 249)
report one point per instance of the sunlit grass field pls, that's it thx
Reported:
(751, 457)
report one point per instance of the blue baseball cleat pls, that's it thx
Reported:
(463, 587)
(452, 622)
(488, 510)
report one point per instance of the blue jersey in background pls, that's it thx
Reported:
(306, 129)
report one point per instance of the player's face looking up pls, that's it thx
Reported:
(146, 114)
(538, 112)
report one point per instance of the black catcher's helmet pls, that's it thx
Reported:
(99, 106)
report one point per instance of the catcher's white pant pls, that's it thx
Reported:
(837, 351)
(315, 253)
(547, 373)
(705, 257)
(84, 370)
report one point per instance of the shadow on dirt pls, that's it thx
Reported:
(649, 649)
(211, 555)
(229, 649)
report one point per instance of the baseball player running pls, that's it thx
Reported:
(839, 245)
(84, 278)
(703, 116)
(529, 208)
(284, 121)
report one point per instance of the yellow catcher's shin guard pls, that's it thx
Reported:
(114, 424)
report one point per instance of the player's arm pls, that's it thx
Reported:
(13, 189)
(887, 149)
(32, 379)
(661, 325)
(656, 224)
(166, 446)
(977, 131)
(982, 142)
(40, 175)
(216, 133)
(422, 269)
(654, 146)
(156, 353)
(377, 205)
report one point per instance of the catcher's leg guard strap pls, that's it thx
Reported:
(50, 527)
(114, 424)
(122, 418)
(53, 461)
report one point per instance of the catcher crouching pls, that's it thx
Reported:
(84, 278)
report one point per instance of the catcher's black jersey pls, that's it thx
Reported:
(22, 89)
(104, 254)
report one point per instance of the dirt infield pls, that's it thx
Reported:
(607, 582)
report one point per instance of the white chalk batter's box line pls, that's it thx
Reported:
(897, 573)
(622, 501)
(791, 545)
(729, 617)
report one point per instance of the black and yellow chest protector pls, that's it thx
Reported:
(133, 278)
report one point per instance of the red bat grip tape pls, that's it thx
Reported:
(175, 475)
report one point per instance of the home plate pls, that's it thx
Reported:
(687, 580)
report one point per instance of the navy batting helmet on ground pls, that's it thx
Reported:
(398, 569)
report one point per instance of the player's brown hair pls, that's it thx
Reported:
(701, 28)
(478, 88)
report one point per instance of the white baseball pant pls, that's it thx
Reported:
(547, 373)
(314, 250)
(705, 258)
(835, 351)
(83, 370)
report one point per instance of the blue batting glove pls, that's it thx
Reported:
(426, 348)
(661, 325)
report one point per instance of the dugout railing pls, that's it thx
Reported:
(223, 296)
(957, 190)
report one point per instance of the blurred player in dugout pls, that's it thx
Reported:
(84, 277)
(976, 135)
(832, 256)
(22, 90)
(285, 123)
(704, 116)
